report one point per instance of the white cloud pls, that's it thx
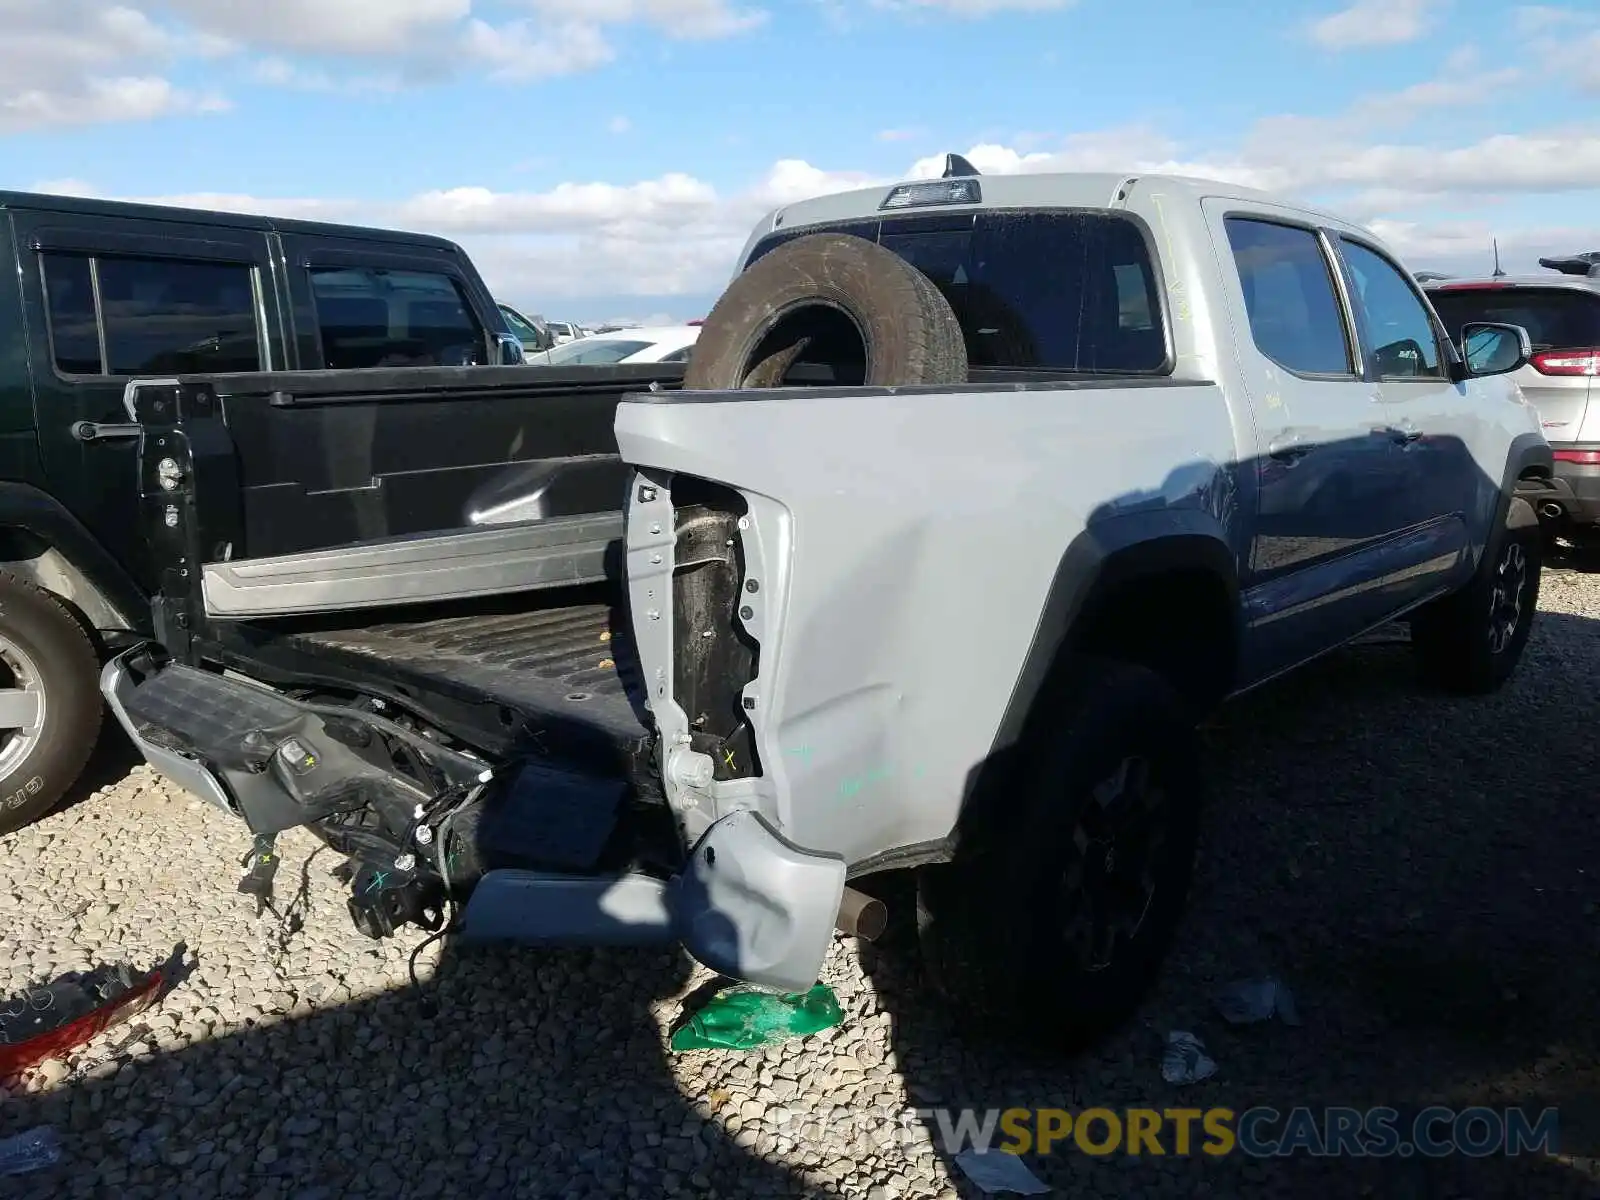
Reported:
(1462, 247)
(1380, 162)
(619, 124)
(678, 18)
(973, 8)
(1541, 18)
(1565, 41)
(1369, 23)
(65, 62)
(526, 50)
(73, 62)
(325, 27)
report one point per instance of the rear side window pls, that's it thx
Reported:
(1555, 318)
(150, 316)
(1404, 343)
(1041, 291)
(372, 317)
(1289, 296)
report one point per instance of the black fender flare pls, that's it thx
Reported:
(1528, 452)
(1107, 556)
(40, 514)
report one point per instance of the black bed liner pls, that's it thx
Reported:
(560, 660)
(538, 674)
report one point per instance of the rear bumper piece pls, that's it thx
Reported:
(117, 684)
(749, 904)
(276, 762)
(1571, 496)
(1582, 483)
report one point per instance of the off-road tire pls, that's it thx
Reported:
(994, 928)
(65, 668)
(1470, 642)
(909, 330)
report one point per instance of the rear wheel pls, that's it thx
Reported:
(1053, 930)
(1470, 642)
(50, 705)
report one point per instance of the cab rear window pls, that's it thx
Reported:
(1039, 291)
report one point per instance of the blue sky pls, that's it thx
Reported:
(605, 158)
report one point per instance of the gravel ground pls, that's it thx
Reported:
(1423, 871)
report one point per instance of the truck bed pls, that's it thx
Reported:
(560, 660)
(543, 672)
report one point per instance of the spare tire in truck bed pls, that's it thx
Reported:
(835, 300)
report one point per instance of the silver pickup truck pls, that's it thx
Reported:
(978, 494)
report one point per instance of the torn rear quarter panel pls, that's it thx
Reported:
(903, 544)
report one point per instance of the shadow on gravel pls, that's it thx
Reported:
(1583, 558)
(114, 756)
(514, 1089)
(1424, 872)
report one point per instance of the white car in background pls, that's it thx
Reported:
(566, 331)
(652, 344)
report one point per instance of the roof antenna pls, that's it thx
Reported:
(956, 167)
(1498, 273)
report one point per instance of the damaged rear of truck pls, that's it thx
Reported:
(457, 710)
(976, 495)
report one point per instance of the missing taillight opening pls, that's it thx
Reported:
(714, 658)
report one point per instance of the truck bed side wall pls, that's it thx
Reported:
(894, 620)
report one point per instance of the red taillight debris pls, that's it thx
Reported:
(53, 1020)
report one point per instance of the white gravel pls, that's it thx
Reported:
(1424, 871)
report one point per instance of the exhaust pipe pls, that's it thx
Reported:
(861, 915)
(1551, 511)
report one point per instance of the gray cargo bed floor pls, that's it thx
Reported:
(573, 662)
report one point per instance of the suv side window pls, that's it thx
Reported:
(73, 320)
(1405, 344)
(150, 316)
(374, 317)
(1289, 296)
(175, 317)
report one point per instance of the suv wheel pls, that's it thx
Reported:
(50, 706)
(1055, 928)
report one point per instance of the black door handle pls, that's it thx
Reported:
(96, 431)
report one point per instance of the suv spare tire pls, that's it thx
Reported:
(795, 294)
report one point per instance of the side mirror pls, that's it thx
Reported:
(508, 350)
(1490, 348)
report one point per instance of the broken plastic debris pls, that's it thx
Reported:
(1247, 1001)
(1185, 1060)
(58, 1017)
(30, 1151)
(999, 1171)
(742, 1018)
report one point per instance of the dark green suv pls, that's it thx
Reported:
(95, 293)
